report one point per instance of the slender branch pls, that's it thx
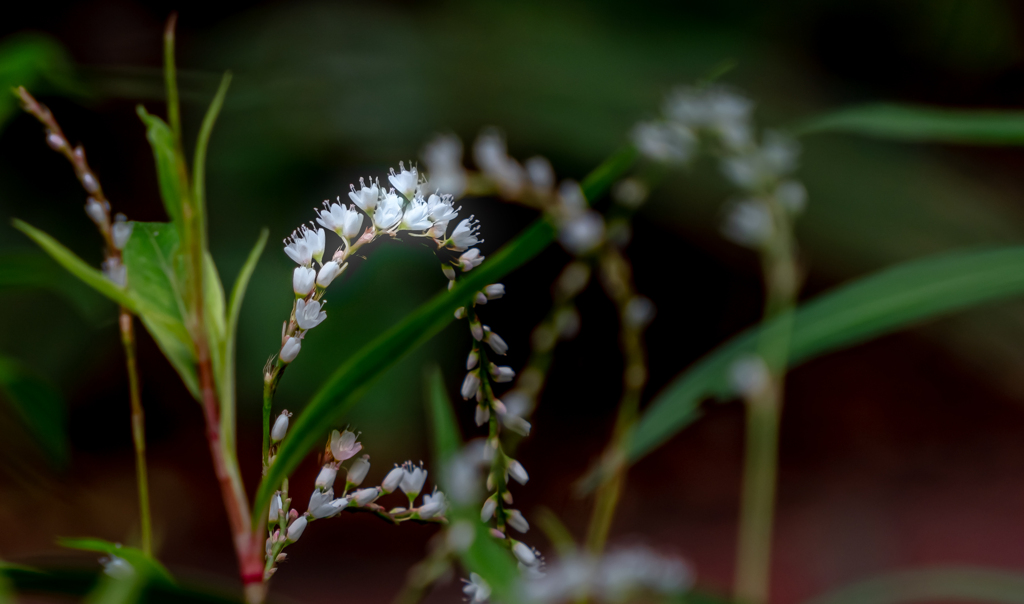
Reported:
(138, 429)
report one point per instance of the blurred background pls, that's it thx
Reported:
(895, 454)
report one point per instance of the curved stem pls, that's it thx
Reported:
(138, 429)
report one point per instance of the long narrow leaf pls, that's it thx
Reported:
(199, 159)
(869, 307)
(923, 123)
(349, 382)
(932, 585)
(444, 427)
(139, 561)
(161, 139)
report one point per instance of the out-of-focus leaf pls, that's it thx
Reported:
(226, 378)
(117, 590)
(344, 388)
(170, 175)
(154, 278)
(444, 427)
(951, 584)
(869, 307)
(214, 315)
(199, 159)
(79, 583)
(35, 271)
(92, 277)
(41, 408)
(348, 383)
(142, 564)
(922, 123)
(27, 59)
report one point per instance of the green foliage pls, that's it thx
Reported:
(40, 406)
(66, 582)
(146, 567)
(922, 123)
(28, 60)
(170, 175)
(349, 382)
(869, 307)
(484, 556)
(932, 585)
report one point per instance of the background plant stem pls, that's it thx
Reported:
(764, 410)
(138, 430)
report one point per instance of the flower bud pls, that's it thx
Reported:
(97, 213)
(448, 272)
(290, 350)
(471, 384)
(516, 424)
(476, 329)
(364, 496)
(472, 359)
(525, 554)
(303, 280)
(496, 342)
(494, 291)
(328, 272)
(393, 479)
(518, 472)
(502, 374)
(120, 232)
(275, 508)
(516, 521)
(488, 510)
(479, 299)
(357, 471)
(483, 413)
(460, 312)
(56, 141)
(296, 528)
(325, 479)
(280, 426)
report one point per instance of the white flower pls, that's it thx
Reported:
(120, 232)
(517, 521)
(344, 445)
(416, 217)
(316, 242)
(515, 423)
(98, 212)
(393, 479)
(440, 208)
(541, 175)
(358, 470)
(490, 506)
(114, 270)
(364, 496)
(495, 341)
(749, 375)
(412, 481)
(405, 181)
(280, 424)
(330, 508)
(470, 259)
(290, 350)
(476, 329)
(471, 384)
(476, 588)
(434, 504)
(482, 415)
(117, 567)
(582, 232)
(494, 291)
(296, 528)
(443, 156)
(791, 194)
(344, 220)
(518, 472)
(465, 235)
(748, 223)
(630, 192)
(525, 554)
(366, 197)
(501, 374)
(491, 155)
(303, 280)
(388, 212)
(308, 314)
(305, 245)
(325, 479)
(319, 498)
(776, 158)
(328, 272)
(665, 142)
(438, 230)
(472, 359)
(275, 508)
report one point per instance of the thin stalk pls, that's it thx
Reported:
(138, 430)
(764, 411)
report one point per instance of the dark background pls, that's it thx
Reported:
(895, 454)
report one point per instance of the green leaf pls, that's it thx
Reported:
(492, 561)
(27, 59)
(348, 383)
(214, 316)
(34, 270)
(444, 427)
(199, 159)
(170, 175)
(932, 585)
(153, 259)
(92, 277)
(59, 581)
(922, 123)
(869, 307)
(143, 564)
(41, 408)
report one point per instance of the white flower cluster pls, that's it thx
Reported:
(617, 576)
(286, 525)
(407, 206)
(723, 120)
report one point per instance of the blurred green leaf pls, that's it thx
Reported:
(53, 581)
(199, 159)
(349, 382)
(932, 585)
(145, 566)
(922, 123)
(170, 175)
(444, 427)
(34, 271)
(28, 59)
(40, 406)
(154, 266)
(869, 307)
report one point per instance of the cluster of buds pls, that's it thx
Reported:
(286, 525)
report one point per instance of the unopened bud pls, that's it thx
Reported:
(460, 312)
(281, 423)
(357, 471)
(393, 479)
(488, 510)
(97, 213)
(472, 359)
(290, 350)
(483, 413)
(90, 183)
(296, 528)
(325, 479)
(517, 521)
(471, 384)
(328, 272)
(518, 472)
(476, 329)
(364, 496)
(56, 141)
(303, 281)
(448, 272)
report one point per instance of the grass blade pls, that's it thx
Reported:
(922, 123)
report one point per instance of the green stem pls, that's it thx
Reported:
(764, 411)
(138, 430)
(270, 383)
